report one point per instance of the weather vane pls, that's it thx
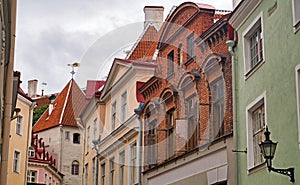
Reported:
(75, 64)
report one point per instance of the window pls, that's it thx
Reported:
(103, 174)
(16, 161)
(94, 171)
(50, 180)
(191, 121)
(87, 144)
(86, 175)
(253, 44)
(180, 54)
(123, 106)
(122, 168)
(32, 176)
(19, 125)
(113, 116)
(171, 63)
(133, 160)
(152, 146)
(111, 171)
(256, 121)
(296, 13)
(95, 129)
(31, 152)
(75, 168)
(170, 134)
(67, 135)
(76, 138)
(190, 46)
(217, 116)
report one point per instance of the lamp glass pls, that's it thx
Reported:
(268, 149)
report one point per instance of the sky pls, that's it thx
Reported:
(52, 34)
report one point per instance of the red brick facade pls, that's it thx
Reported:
(188, 103)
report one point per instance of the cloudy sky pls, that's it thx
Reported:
(52, 34)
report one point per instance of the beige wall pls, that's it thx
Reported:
(64, 151)
(19, 143)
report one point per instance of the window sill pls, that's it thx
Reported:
(19, 134)
(256, 168)
(253, 70)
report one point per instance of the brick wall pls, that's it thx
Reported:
(209, 50)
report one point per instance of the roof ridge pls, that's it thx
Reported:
(65, 103)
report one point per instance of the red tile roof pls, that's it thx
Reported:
(66, 108)
(143, 44)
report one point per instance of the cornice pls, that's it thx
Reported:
(242, 12)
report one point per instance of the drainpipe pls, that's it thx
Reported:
(231, 44)
(138, 111)
(29, 132)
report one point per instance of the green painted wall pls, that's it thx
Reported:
(277, 77)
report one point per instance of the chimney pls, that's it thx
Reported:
(32, 88)
(154, 14)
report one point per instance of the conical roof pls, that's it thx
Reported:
(67, 106)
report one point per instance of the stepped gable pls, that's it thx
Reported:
(66, 108)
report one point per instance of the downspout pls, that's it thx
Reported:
(29, 132)
(231, 45)
(138, 111)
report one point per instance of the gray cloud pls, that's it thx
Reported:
(51, 34)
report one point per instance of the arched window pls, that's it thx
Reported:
(76, 138)
(75, 168)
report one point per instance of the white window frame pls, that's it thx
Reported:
(113, 116)
(297, 73)
(252, 28)
(67, 135)
(124, 106)
(87, 144)
(249, 125)
(296, 14)
(133, 162)
(122, 159)
(29, 176)
(31, 152)
(16, 169)
(95, 129)
(111, 171)
(19, 124)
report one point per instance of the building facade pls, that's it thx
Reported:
(7, 37)
(119, 141)
(41, 165)
(266, 79)
(20, 135)
(188, 102)
(61, 133)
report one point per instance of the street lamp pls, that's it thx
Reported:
(268, 148)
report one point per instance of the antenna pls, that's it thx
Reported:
(75, 64)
